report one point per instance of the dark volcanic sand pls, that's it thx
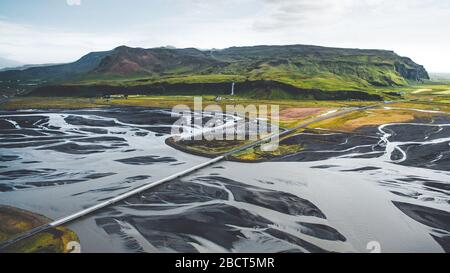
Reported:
(387, 184)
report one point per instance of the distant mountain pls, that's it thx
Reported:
(440, 76)
(4, 63)
(56, 73)
(158, 61)
(298, 66)
(24, 67)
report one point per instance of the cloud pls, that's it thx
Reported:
(73, 2)
(32, 44)
(414, 28)
(285, 14)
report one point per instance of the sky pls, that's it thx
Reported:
(56, 31)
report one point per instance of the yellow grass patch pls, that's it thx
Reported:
(299, 113)
(446, 92)
(422, 90)
(433, 105)
(357, 120)
(165, 102)
(256, 154)
(14, 221)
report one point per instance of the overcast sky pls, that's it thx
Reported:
(53, 31)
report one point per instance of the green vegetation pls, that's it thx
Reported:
(207, 148)
(356, 120)
(138, 81)
(163, 102)
(304, 74)
(256, 154)
(14, 221)
(271, 72)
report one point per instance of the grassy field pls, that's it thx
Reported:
(164, 102)
(257, 155)
(373, 117)
(287, 74)
(15, 221)
(430, 92)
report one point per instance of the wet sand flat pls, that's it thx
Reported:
(341, 191)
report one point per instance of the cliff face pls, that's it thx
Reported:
(410, 70)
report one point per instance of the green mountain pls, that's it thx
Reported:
(293, 71)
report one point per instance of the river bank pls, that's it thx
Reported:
(14, 221)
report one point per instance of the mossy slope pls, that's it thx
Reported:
(14, 221)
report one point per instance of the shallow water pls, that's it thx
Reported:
(79, 158)
(388, 184)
